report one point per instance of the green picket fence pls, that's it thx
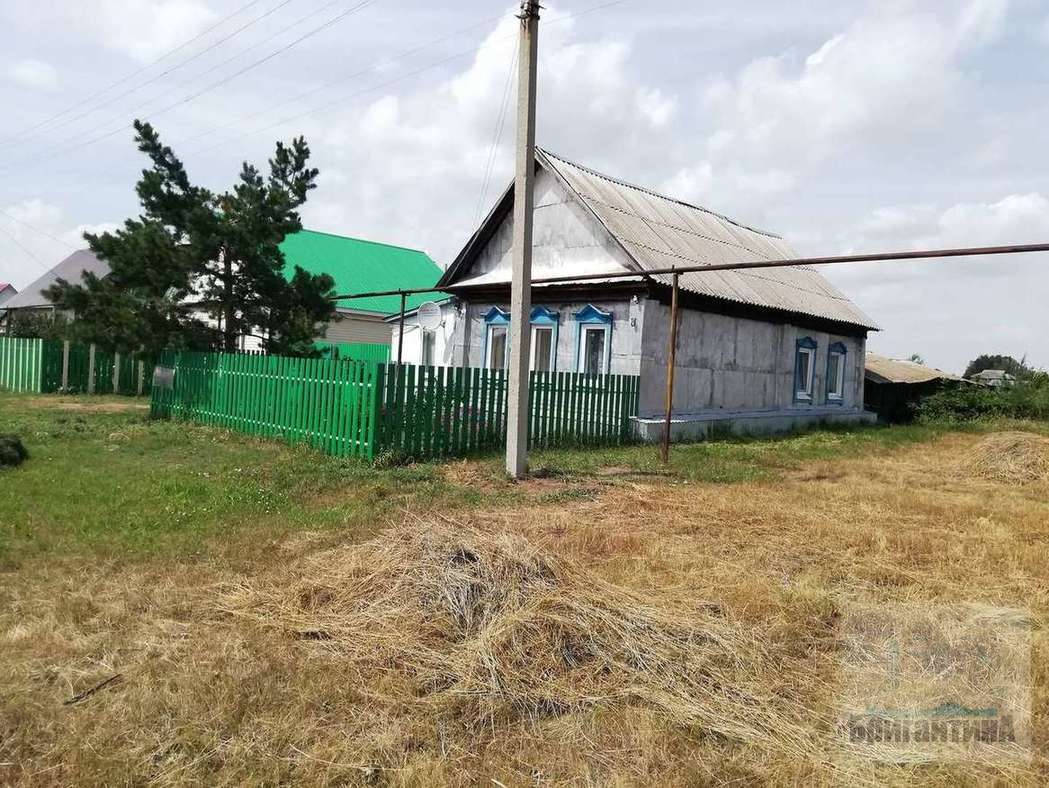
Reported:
(35, 365)
(448, 411)
(354, 408)
(330, 405)
(21, 364)
(355, 351)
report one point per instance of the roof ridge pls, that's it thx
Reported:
(652, 192)
(360, 240)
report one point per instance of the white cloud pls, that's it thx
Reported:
(143, 29)
(953, 310)
(34, 74)
(891, 75)
(408, 168)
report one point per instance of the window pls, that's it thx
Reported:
(593, 360)
(594, 348)
(496, 347)
(836, 373)
(429, 348)
(497, 328)
(544, 339)
(542, 348)
(804, 368)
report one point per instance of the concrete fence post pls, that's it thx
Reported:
(91, 368)
(141, 377)
(65, 365)
(116, 373)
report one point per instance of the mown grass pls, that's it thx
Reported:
(199, 568)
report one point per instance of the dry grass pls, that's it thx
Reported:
(650, 632)
(1012, 457)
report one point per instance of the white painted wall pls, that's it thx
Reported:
(413, 346)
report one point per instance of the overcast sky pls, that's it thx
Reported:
(843, 126)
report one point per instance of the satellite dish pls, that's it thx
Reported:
(429, 316)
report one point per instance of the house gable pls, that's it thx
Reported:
(567, 239)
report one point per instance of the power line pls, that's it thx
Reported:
(130, 76)
(186, 83)
(21, 246)
(37, 230)
(192, 97)
(495, 139)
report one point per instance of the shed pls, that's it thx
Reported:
(894, 386)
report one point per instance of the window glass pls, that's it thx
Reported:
(593, 351)
(805, 373)
(835, 368)
(496, 347)
(429, 346)
(542, 348)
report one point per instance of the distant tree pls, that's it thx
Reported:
(917, 359)
(194, 254)
(1015, 368)
(33, 324)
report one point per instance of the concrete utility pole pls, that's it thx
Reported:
(521, 281)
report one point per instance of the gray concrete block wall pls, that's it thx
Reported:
(736, 364)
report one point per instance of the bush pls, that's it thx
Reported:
(1026, 399)
(12, 452)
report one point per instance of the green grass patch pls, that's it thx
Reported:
(121, 485)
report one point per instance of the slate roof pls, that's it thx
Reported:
(658, 232)
(880, 369)
(69, 269)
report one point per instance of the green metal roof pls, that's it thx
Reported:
(359, 266)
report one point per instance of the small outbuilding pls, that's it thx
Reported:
(894, 387)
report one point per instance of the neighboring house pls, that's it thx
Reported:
(71, 269)
(7, 292)
(893, 387)
(995, 378)
(759, 351)
(360, 266)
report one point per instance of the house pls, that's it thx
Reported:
(360, 266)
(995, 378)
(7, 292)
(894, 387)
(759, 351)
(72, 268)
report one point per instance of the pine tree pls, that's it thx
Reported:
(193, 254)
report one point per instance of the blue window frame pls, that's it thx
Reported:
(544, 339)
(593, 347)
(495, 353)
(836, 355)
(804, 369)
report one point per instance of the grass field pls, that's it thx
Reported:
(275, 616)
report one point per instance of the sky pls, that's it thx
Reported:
(842, 126)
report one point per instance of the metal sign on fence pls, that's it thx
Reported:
(164, 377)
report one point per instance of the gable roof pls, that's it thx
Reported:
(880, 369)
(360, 266)
(69, 269)
(658, 232)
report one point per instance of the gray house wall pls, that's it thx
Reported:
(738, 364)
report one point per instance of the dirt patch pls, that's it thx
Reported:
(79, 406)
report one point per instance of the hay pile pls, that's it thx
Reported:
(490, 631)
(1011, 457)
(12, 452)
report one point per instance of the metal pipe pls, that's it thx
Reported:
(400, 334)
(671, 360)
(879, 257)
